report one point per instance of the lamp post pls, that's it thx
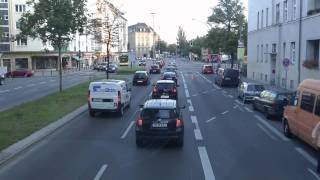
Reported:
(153, 35)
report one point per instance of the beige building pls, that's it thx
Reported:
(141, 38)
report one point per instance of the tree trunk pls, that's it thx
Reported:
(108, 60)
(60, 69)
(232, 61)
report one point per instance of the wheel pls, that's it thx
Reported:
(121, 111)
(92, 113)
(139, 142)
(286, 129)
(180, 142)
(129, 104)
(254, 106)
(267, 114)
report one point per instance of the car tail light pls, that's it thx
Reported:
(178, 123)
(89, 97)
(139, 122)
(155, 90)
(174, 90)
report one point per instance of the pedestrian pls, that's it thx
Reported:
(316, 139)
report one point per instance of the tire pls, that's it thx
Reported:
(92, 113)
(267, 114)
(286, 129)
(139, 142)
(254, 106)
(129, 104)
(121, 111)
(180, 142)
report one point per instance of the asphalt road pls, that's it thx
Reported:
(16, 91)
(224, 139)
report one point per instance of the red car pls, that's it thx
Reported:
(20, 73)
(207, 69)
(155, 69)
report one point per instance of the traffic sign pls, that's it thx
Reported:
(286, 62)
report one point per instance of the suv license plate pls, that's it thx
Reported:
(140, 81)
(165, 97)
(159, 125)
(228, 78)
(96, 100)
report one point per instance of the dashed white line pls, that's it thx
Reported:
(235, 107)
(17, 88)
(230, 96)
(307, 156)
(248, 109)
(271, 128)
(127, 130)
(191, 109)
(225, 112)
(5, 91)
(209, 120)
(237, 101)
(266, 132)
(314, 174)
(198, 135)
(100, 172)
(187, 93)
(206, 165)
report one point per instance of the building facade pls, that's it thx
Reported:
(283, 41)
(142, 39)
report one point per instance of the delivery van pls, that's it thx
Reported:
(108, 96)
(303, 119)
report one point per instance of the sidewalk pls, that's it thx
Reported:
(53, 72)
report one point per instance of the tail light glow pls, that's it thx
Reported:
(139, 122)
(178, 123)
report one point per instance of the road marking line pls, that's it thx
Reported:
(198, 135)
(194, 119)
(5, 91)
(30, 85)
(214, 85)
(224, 112)
(191, 109)
(266, 132)
(209, 120)
(187, 93)
(237, 101)
(100, 172)
(225, 92)
(235, 106)
(17, 88)
(248, 109)
(52, 80)
(271, 128)
(307, 156)
(206, 165)
(127, 130)
(314, 174)
(43, 82)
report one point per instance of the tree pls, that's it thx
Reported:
(161, 45)
(54, 21)
(183, 45)
(230, 21)
(172, 48)
(197, 45)
(105, 27)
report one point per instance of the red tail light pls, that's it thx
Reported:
(179, 123)
(89, 97)
(119, 97)
(174, 90)
(139, 122)
(155, 90)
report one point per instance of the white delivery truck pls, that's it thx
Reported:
(3, 72)
(108, 96)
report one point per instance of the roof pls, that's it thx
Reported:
(160, 104)
(141, 72)
(141, 26)
(169, 72)
(165, 81)
(310, 84)
(109, 81)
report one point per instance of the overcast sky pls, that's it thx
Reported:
(170, 14)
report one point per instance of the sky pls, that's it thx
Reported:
(191, 15)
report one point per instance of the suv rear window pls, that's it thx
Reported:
(158, 114)
(256, 88)
(231, 73)
(140, 75)
(165, 85)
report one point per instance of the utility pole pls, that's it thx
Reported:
(153, 44)
(79, 51)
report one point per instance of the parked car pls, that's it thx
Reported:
(170, 76)
(303, 117)
(159, 63)
(3, 71)
(230, 77)
(165, 89)
(108, 96)
(20, 73)
(247, 91)
(272, 102)
(207, 69)
(141, 78)
(142, 63)
(155, 69)
(113, 68)
(102, 66)
(160, 120)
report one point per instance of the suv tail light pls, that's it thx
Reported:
(178, 123)
(174, 90)
(119, 97)
(139, 122)
(155, 90)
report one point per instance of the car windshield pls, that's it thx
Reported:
(154, 114)
(165, 85)
(256, 88)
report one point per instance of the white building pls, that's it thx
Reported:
(278, 31)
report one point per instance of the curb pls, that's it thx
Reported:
(37, 136)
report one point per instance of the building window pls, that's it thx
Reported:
(266, 53)
(261, 76)
(291, 84)
(258, 54)
(294, 9)
(261, 53)
(313, 7)
(22, 42)
(266, 78)
(293, 52)
(313, 53)
(267, 17)
(21, 63)
(20, 8)
(285, 10)
(4, 1)
(284, 50)
(317, 112)
(307, 101)
(278, 13)
(258, 20)
(274, 48)
(284, 82)
(262, 16)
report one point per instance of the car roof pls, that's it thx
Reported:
(169, 72)
(160, 104)
(165, 81)
(137, 72)
(108, 81)
(310, 84)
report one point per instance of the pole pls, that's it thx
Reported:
(300, 39)
(153, 47)
(79, 52)
(60, 69)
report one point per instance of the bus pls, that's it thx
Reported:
(124, 60)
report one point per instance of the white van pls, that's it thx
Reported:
(108, 95)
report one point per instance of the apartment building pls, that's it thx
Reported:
(142, 39)
(283, 41)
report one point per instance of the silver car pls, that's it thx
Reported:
(247, 91)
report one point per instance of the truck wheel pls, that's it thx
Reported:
(286, 129)
(92, 113)
(180, 142)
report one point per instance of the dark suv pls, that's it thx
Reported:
(229, 77)
(170, 76)
(160, 119)
(165, 89)
(141, 78)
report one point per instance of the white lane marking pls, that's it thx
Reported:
(5, 91)
(205, 92)
(271, 128)
(248, 109)
(214, 85)
(314, 174)
(225, 92)
(191, 109)
(230, 96)
(307, 156)
(127, 130)
(30, 85)
(237, 101)
(17, 88)
(194, 119)
(43, 82)
(100, 172)
(224, 112)
(187, 93)
(235, 106)
(206, 165)
(266, 132)
(209, 120)
(198, 135)
(150, 94)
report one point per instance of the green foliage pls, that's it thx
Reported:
(161, 45)
(197, 44)
(172, 48)
(183, 45)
